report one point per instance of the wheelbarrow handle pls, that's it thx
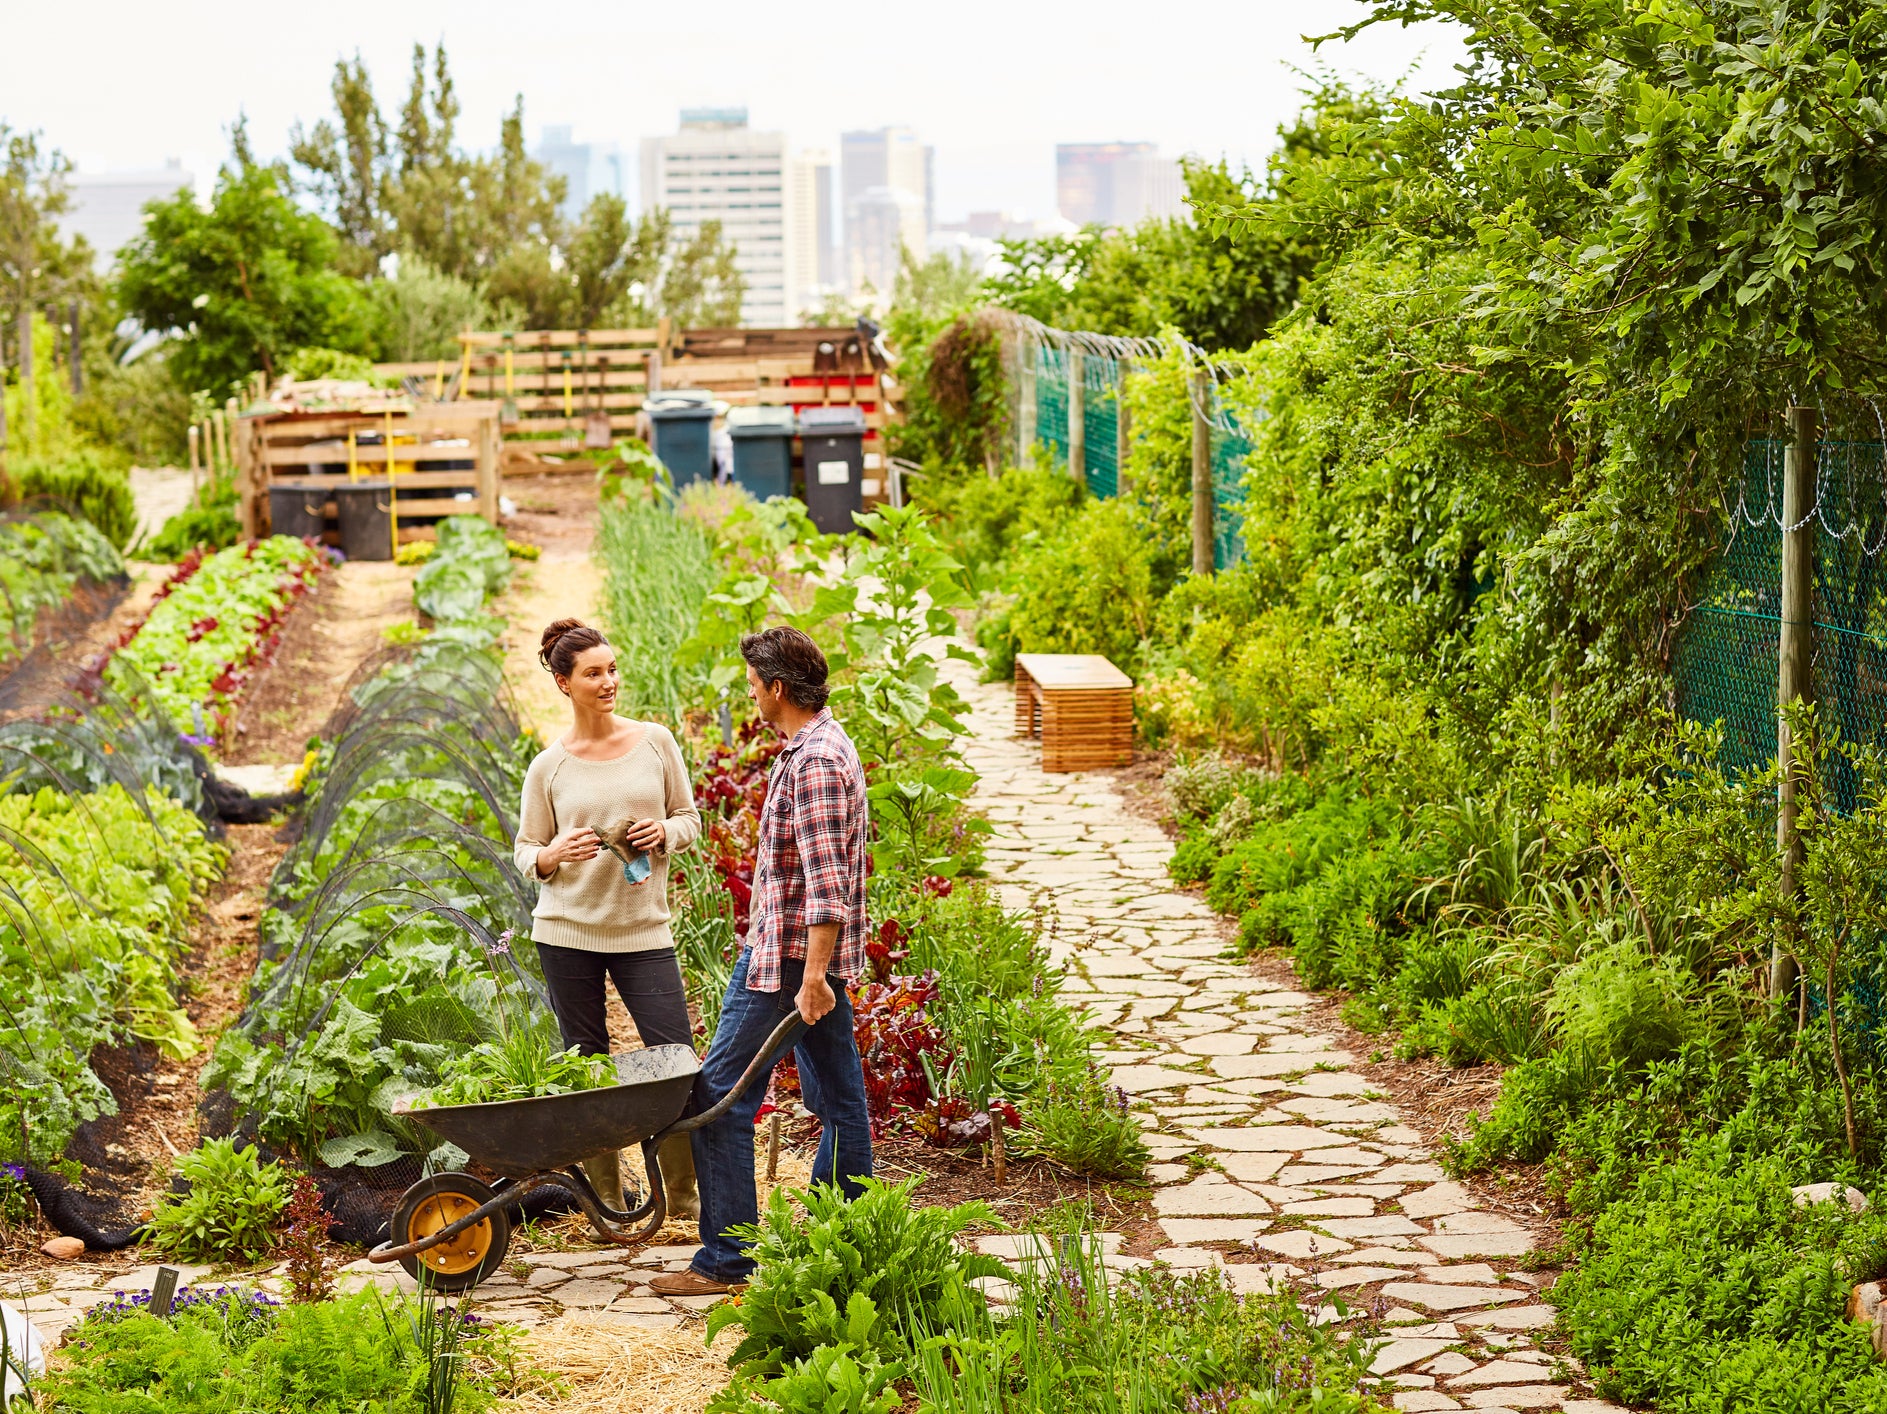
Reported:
(785, 1036)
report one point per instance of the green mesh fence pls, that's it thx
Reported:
(1230, 447)
(1051, 401)
(1724, 668)
(1100, 421)
(1100, 414)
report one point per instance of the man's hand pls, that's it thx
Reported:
(815, 998)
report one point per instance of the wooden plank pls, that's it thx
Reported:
(367, 458)
(535, 362)
(1073, 670)
(429, 480)
(562, 338)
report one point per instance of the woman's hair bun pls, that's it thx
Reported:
(561, 643)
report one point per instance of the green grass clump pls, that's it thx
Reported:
(656, 576)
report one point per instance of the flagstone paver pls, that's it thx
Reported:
(1314, 1166)
(1317, 1181)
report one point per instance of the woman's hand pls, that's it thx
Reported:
(574, 845)
(648, 835)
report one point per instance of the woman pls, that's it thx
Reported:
(591, 922)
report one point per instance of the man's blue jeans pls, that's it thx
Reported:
(831, 1082)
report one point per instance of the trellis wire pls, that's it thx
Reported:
(1039, 355)
(1724, 668)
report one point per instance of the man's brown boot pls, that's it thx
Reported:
(689, 1282)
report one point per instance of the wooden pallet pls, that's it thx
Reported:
(318, 451)
(1082, 705)
(562, 383)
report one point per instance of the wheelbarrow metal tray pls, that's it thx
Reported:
(518, 1138)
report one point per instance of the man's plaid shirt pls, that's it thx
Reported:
(811, 866)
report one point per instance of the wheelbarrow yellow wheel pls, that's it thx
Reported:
(434, 1204)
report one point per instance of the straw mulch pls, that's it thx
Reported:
(607, 1369)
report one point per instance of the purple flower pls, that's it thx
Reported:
(502, 944)
(16, 1172)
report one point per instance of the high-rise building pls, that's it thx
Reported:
(1115, 183)
(716, 168)
(872, 162)
(588, 168)
(881, 223)
(815, 272)
(107, 208)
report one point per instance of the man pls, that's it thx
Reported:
(805, 941)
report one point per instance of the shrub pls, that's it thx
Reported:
(1708, 1288)
(1086, 1125)
(1089, 586)
(235, 1353)
(870, 1272)
(1620, 1005)
(208, 522)
(87, 486)
(982, 519)
(231, 1209)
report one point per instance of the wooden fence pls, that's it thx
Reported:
(564, 393)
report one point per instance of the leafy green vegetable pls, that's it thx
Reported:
(97, 892)
(872, 1272)
(215, 618)
(231, 1209)
(519, 1067)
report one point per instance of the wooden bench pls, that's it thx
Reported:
(1082, 705)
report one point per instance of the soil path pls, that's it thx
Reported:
(1276, 1160)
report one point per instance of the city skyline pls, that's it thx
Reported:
(993, 153)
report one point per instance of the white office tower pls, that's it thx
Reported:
(815, 263)
(108, 207)
(1115, 184)
(878, 170)
(718, 169)
(589, 169)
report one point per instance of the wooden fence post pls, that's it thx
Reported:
(1123, 427)
(1077, 417)
(1202, 471)
(1796, 652)
(1025, 414)
(26, 375)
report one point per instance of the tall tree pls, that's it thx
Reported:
(37, 266)
(241, 285)
(347, 165)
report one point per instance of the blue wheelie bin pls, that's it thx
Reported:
(763, 449)
(682, 419)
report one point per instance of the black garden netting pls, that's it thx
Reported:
(386, 947)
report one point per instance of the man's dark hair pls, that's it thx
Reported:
(787, 656)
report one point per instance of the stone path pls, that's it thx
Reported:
(1273, 1161)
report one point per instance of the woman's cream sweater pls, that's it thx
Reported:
(589, 904)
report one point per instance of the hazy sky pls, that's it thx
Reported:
(993, 84)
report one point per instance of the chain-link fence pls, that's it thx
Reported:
(1725, 666)
(1052, 371)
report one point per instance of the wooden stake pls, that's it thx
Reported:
(26, 375)
(1202, 560)
(999, 1160)
(1077, 418)
(1025, 416)
(1794, 682)
(773, 1146)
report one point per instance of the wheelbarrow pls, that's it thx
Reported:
(456, 1229)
